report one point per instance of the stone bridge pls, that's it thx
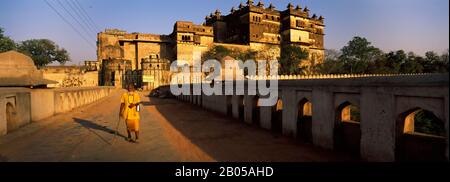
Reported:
(370, 117)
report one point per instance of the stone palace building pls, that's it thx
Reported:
(251, 26)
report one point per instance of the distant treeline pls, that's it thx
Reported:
(359, 56)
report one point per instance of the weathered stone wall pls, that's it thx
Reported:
(70, 77)
(382, 101)
(14, 109)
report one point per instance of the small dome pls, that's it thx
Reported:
(17, 69)
(16, 59)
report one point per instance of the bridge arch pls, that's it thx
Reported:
(420, 136)
(256, 110)
(229, 105)
(241, 107)
(347, 133)
(304, 120)
(277, 116)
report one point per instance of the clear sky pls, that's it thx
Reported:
(411, 25)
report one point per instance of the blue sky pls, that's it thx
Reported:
(411, 25)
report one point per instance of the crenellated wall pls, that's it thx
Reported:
(383, 102)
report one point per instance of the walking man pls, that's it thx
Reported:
(129, 111)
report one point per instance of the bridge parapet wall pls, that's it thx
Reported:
(382, 101)
(21, 106)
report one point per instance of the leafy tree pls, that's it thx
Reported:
(357, 55)
(412, 64)
(444, 61)
(217, 53)
(246, 55)
(395, 60)
(44, 52)
(331, 64)
(435, 63)
(331, 54)
(6, 43)
(291, 59)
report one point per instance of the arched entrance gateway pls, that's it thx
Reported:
(347, 133)
(304, 121)
(420, 136)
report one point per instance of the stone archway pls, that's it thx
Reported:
(256, 111)
(347, 133)
(241, 107)
(277, 116)
(304, 120)
(420, 136)
(11, 117)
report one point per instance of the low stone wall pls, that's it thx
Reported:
(70, 76)
(382, 100)
(64, 100)
(14, 109)
(20, 106)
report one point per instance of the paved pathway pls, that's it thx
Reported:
(170, 132)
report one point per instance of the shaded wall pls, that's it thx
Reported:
(381, 101)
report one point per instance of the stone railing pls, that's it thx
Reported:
(384, 101)
(328, 76)
(24, 106)
(186, 78)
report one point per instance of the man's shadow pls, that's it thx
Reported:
(92, 127)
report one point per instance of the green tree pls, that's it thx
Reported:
(444, 61)
(44, 52)
(6, 43)
(357, 55)
(217, 53)
(331, 64)
(291, 59)
(412, 64)
(246, 55)
(395, 60)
